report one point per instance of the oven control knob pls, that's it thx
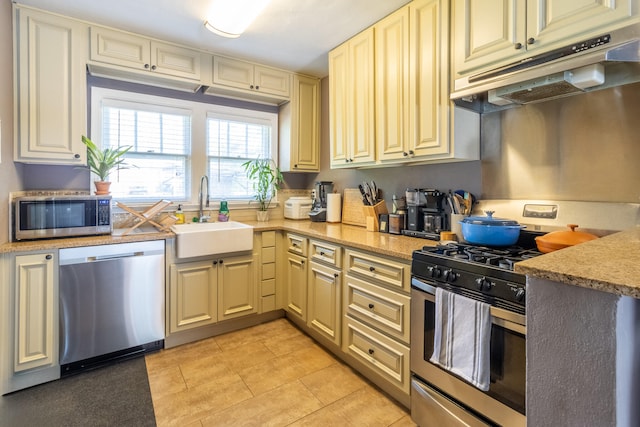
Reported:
(435, 272)
(483, 284)
(450, 276)
(520, 294)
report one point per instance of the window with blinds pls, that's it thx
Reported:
(230, 143)
(157, 164)
(176, 141)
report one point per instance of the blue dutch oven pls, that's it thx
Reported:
(490, 231)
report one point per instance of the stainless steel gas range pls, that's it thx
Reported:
(439, 397)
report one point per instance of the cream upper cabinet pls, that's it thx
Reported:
(391, 86)
(299, 127)
(491, 33)
(271, 83)
(50, 88)
(129, 50)
(351, 108)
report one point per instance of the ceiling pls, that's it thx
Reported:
(292, 34)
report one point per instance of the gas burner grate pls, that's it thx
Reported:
(503, 258)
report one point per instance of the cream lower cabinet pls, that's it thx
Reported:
(324, 290)
(205, 292)
(29, 327)
(376, 318)
(296, 276)
(50, 88)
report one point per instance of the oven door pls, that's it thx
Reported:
(504, 402)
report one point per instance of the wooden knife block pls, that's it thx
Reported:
(372, 215)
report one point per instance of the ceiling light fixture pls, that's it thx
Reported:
(230, 18)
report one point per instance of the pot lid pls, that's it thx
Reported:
(489, 220)
(567, 237)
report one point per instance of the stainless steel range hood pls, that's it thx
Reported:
(610, 60)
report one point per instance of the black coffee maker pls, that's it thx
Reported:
(426, 217)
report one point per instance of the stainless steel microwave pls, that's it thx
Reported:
(46, 216)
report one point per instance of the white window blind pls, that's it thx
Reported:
(231, 142)
(159, 157)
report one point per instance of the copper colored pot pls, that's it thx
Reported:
(562, 239)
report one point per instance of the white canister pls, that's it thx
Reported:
(334, 207)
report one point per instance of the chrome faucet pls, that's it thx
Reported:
(201, 216)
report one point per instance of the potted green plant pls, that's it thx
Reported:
(266, 177)
(101, 162)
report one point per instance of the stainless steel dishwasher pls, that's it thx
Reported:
(111, 303)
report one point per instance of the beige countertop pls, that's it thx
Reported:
(609, 264)
(357, 237)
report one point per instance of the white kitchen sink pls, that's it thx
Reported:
(212, 238)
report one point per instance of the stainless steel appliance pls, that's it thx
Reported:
(111, 303)
(426, 217)
(318, 211)
(438, 397)
(49, 214)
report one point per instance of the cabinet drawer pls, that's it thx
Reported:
(383, 355)
(379, 270)
(268, 254)
(297, 244)
(268, 239)
(268, 287)
(379, 307)
(325, 253)
(268, 271)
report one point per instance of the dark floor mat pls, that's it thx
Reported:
(116, 395)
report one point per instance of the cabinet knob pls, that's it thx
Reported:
(321, 253)
(215, 262)
(301, 262)
(405, 154)
(48, 256)
(372, 268)
(531, 40)
(257, 87)
(518, 46)
(153, 67)
(295, 166)
(371, 306)
(250, 86)
(335, 275)
(411, 152)
(371, 351)
(76, 156)
(221, 261)
(146, 66)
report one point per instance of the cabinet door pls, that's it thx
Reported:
(305, 124)
(193, 295)
(555, 23)
(119, 48)
(237, 287)
(50, 89)
(272, 81)
(324, 301)
(175, 60)
(35, 311)
(361, 106)
(230, 72)
(296, 268)
(429, 84)
(392, 80)
(486, 32)
(339, 121)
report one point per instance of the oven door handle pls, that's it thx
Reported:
(507, 319)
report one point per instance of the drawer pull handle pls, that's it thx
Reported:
(335, 275)
(371, 351)
(372, 269)
(321, 253)
(371, 306)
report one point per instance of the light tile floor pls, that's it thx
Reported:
(268, 375)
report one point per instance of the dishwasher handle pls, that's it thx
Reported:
(113, 256)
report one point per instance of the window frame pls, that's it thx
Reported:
(197, 162)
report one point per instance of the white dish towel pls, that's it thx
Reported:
(462, 337)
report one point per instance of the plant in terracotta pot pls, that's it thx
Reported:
(102, 161)
(266, 177)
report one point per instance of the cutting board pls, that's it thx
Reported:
(352, 213)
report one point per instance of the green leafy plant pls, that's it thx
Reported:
(101, 162)
(266, 177)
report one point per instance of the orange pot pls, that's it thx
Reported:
(562, 239)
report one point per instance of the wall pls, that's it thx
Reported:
(584, 147)
(9, 172)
